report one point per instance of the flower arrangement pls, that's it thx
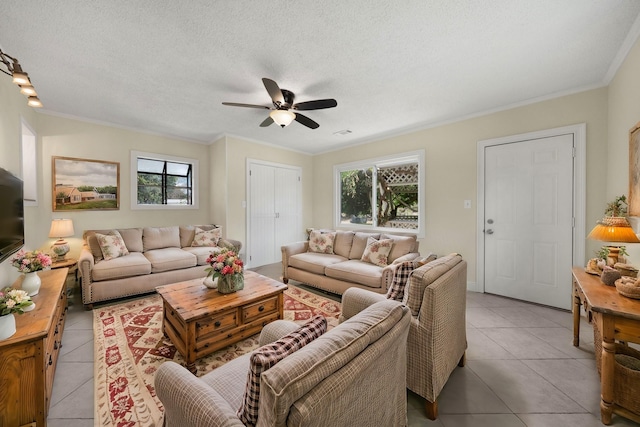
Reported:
(224, 263)
(13, 301)
(28, 262)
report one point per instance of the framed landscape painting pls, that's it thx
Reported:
(83, 184)
(634, 171)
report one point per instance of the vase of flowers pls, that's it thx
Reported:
(227, 267)
(12, 301)
(29, 263)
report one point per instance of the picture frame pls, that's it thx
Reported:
(84, 184)
(634, 171)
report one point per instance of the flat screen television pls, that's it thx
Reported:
(11, 214)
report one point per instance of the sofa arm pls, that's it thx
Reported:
(444, 301)
(288, 251)
(389, 271)
(275, 330)
(188, 401)
(85, 265)
(408, 257)
(354, 300)
(237, 244)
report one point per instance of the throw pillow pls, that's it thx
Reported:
(267, 356)
(206, 237)
(321, 243)
(377, 251)
(111, 245)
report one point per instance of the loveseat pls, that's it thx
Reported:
(351, 376)
(436, 296)
(131, 261)
(337, 260)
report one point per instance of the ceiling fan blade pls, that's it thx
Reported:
(266, 122)
(274, 91)
(318, 104)
(304, 120)
(235, 104)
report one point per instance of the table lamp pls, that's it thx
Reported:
(613, 229)
(61, 228)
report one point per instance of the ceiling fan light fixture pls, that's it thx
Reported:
(282, 117)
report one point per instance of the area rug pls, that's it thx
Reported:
(129, 347)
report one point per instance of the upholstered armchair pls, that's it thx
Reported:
(351, 376)
(437, 342)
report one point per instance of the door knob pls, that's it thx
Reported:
(489, 231)
(489, 221)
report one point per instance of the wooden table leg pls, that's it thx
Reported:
(607, 369)
(576, 316)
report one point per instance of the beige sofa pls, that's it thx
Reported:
(352, 376)
(157, 256)
(344, 268)
(436, 295)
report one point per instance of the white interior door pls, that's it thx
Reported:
(528, 220)
(274, 211)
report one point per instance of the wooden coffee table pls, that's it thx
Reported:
(199, 320)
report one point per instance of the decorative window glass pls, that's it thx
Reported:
(383, 193)
(163, 181)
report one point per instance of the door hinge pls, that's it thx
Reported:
(299, 179)
(573, 152)
(249, 172)
(573, 222)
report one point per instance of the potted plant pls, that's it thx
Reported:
(12, 301)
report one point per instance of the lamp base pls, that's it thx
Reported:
(60, 249)
(614, 254)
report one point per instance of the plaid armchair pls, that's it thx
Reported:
(436, 294)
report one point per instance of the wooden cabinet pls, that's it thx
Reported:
(28, 358)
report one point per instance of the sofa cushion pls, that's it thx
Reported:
(425, 276)
(402, 245)
(166, 259)
(134, 264)
(206, 237)
(292, 378)
(111, 245)
(377, 251)
(360, 243)
(356, 271)
(202, 253)
(267, 356)
(320, 242)
(160, 237)
(343, 242)
(313, 262)
(132, 238)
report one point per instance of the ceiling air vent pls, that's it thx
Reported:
(343, 132)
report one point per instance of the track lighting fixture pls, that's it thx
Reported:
(20, 78)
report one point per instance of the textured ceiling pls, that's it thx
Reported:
(166, 66)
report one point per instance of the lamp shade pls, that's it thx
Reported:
(614, 229)
(282, 117)
(61, 228)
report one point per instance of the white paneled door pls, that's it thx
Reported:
(274, 211)
(528, 220)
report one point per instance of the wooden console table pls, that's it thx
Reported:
(618, 318)
(28, 358)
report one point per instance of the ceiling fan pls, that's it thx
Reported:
(281, 112)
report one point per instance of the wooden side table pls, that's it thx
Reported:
(70, 263)
(618, 318)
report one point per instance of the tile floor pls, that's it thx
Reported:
(521, 370)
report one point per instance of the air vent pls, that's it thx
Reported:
(342, 132)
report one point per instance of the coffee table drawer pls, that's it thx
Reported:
(261, 308)
(220, 323)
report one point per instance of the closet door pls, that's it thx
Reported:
(274, 211)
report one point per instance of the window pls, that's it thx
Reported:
(29, 165)
(384, 193)
(163, 182)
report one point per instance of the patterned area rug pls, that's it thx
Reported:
(129, 347)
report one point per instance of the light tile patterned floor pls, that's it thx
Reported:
(521, 370)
